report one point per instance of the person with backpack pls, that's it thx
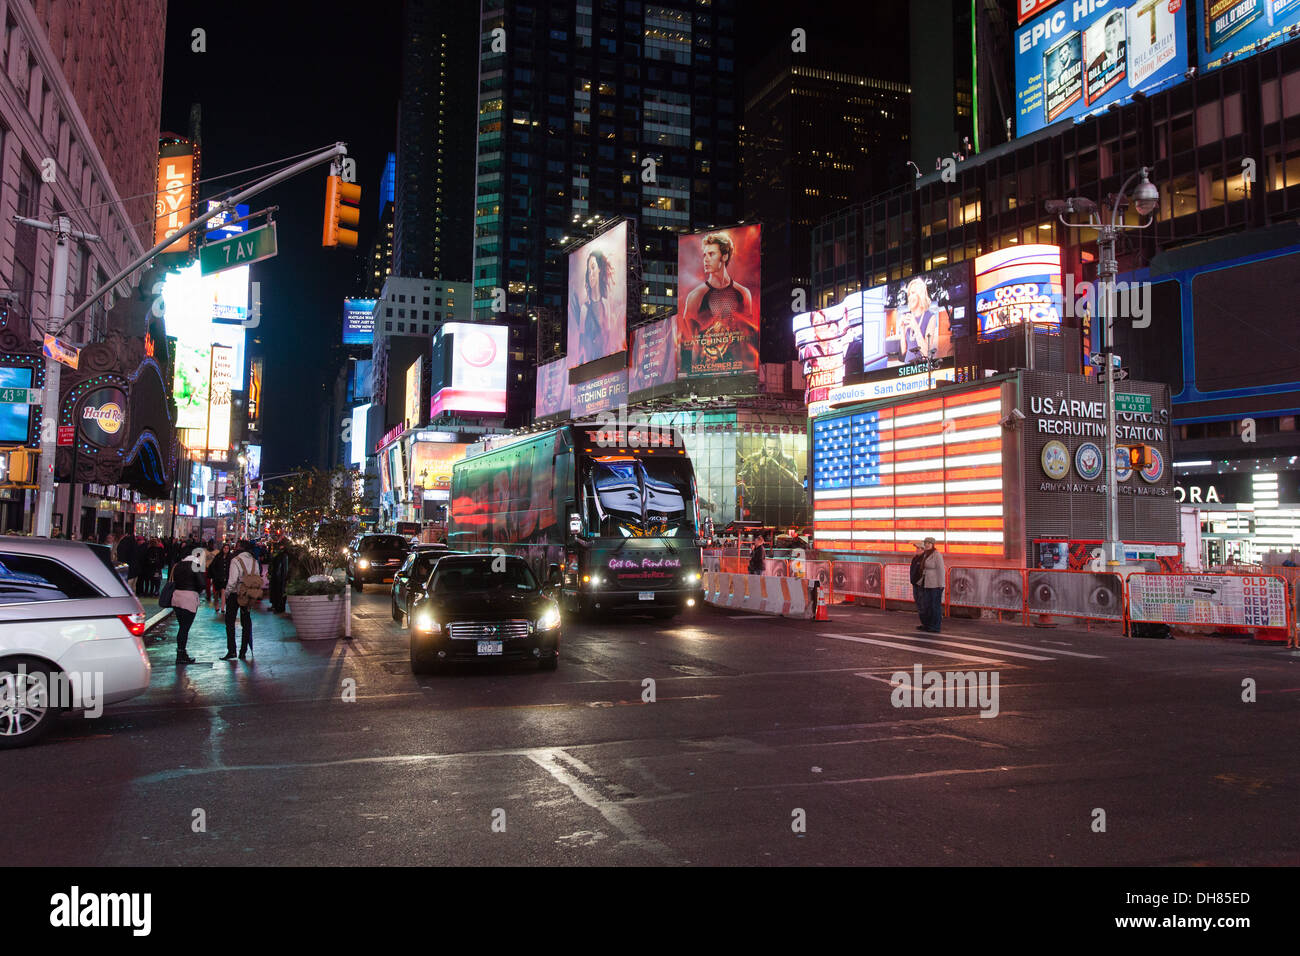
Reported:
(243, 590)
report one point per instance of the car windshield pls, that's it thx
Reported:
(462, 576)
(640, 498)
(384, 542)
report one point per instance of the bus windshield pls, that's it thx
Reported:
(637, 498)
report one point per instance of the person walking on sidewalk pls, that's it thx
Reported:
(187, 588)
(243, 563)
(932, 578)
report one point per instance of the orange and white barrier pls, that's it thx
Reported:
(783, 596)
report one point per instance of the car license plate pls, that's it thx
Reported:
(647, 595)
(489, 648)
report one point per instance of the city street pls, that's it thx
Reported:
(754, 719)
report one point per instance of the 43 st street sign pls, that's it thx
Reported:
(239, 250)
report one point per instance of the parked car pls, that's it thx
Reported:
(413, 576)
(70, 635)
(484, 607)
(376, 559)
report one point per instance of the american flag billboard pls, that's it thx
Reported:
(884, 478)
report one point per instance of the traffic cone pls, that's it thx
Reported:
(823, 612)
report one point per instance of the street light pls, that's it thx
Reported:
(1146, 197)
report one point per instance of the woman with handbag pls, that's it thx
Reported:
(182, 595)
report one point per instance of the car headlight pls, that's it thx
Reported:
(549, 620)
(362, 563)
(425, 624)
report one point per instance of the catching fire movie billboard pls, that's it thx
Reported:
(554, 394)
(718, 283)
(598, 297)
(1078, 57)
(654, 355)
(1016, 285)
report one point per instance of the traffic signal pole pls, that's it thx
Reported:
(62, 228)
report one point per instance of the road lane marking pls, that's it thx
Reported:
(565, 767)
(911, 647)
(1034, 647)
(973, 647)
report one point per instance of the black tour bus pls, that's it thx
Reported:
(611, 511)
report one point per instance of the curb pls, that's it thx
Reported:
(157, 619)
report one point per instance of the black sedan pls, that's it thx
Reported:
(376, 559)
(412, 577)
(483, 607)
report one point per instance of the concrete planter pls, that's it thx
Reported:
(317, 617)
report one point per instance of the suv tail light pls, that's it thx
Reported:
(134, 623)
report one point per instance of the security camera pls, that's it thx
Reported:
(1014, 418)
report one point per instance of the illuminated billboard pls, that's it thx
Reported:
(222, 376)
(1016, 285)
(1079, 57)
(929, 467)
(190, 385)
(15, 420)
(599, 394)
(359, 321)
(825, 339)
(1234, 28)
(192, 306)
(911, 321)
(431, 463)
(718, 282)
(478, 369)
(553, 391)
(358, 440)
(654, 355)
(413, 375)
(175, 196)
(598, 297)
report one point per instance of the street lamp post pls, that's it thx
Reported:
(1145, 200)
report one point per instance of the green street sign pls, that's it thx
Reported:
(20, 396)
(241, 250)
(1137, 404)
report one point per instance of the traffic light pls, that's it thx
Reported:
(15, 466)
(338, 214)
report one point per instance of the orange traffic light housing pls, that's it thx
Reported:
(15, 466)
(1139, 457)
(338, 214)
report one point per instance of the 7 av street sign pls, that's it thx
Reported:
(239, 250)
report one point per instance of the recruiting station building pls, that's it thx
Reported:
(1007, 471)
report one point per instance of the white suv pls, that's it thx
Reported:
(70, 635)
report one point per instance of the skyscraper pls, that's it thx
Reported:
(816, 138)
(596, 109)
(433, 193)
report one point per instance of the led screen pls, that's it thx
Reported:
(194, 306)
(911, 321)
(478, 369)
(654, 355)
(359, 321)
(1017, 285)
(1231, 28)
(359, 414)
(553, 391)
(15, 420)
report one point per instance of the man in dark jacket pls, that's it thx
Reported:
(279, 574)
(126, 554)
(757, 555)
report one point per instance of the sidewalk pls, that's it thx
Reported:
(274, 636)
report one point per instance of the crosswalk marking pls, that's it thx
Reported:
(1039, 647)
(911, 647)
(973, 647)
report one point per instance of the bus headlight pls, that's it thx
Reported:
(692, 578)
(549, 620)
(594, 579)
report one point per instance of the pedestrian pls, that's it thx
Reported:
(243, 563)
(917, 576)
(279, 577)
(756, 556)
(126, 554)
(187, 586)
(155, 561)
(931, 587)
(220, 571)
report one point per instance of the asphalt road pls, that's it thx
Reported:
(768, 742)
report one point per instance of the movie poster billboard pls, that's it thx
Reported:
(431, 463)
(1016, 285)
(718, 283)
(553, 390)
(770, 478)
(1230, 29)
(913, 321)
(598, 297)
(1076, 58)
(600, 394)
(654, 355)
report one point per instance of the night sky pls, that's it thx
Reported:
(275, 81)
